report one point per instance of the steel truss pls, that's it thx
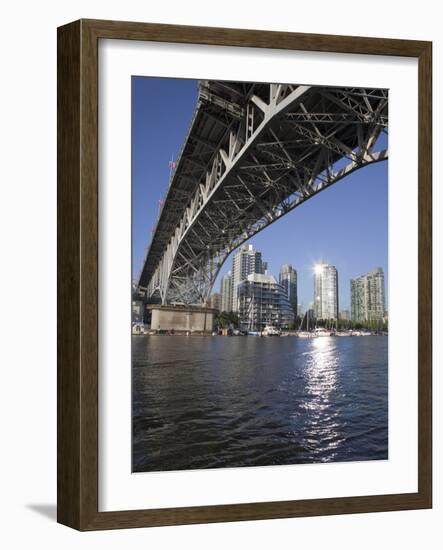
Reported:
(253, 153)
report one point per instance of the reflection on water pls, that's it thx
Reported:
(210, 402)
(321, 375)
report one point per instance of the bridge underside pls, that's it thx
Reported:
(253, 153)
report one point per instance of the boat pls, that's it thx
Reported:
(320, 331)
(305, 334)
(269, 330)
(138, 328)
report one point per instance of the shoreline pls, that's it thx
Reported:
(306, 336)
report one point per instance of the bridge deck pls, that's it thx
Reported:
(209, 130)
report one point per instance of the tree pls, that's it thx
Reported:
(227, 319)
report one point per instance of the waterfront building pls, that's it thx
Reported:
(288, 281)
(345, 315)
(368, 297)
(359, 299)
(262, 301)
(226, 292)
(307, 320)
(376, 284)
(310, 317)
(325, 292)
(215, 301)
(137, 311)
(246, 261)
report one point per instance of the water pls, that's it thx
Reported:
(212, 402)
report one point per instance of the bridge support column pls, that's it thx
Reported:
(182, 318)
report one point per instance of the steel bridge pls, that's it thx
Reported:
(253, 153)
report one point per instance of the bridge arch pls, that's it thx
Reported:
(254, 152)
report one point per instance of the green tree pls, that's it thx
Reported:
(227, 319)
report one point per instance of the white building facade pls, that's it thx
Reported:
(246, 261)
(368, 296)
(325, 292)
(261, 302)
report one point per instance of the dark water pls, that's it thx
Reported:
(211, 402)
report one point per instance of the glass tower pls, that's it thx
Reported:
(325, 292)
(288, 281)
(226, 292)
(246, 261)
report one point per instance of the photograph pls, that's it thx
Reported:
(260, 274)
(226, 212)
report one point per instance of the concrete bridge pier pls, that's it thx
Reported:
(182, 318)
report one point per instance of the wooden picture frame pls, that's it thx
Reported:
(78, 274)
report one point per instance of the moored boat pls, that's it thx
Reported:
(138, 328)
(269, 330)
(320, 331)
(305, 334)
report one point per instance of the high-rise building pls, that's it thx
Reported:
(368, 296)
(288, 281)
(262, 301)
(246, 261)
(226, 292)
(376, 284)
(359, 299)
(325, 291)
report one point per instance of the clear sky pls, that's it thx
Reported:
(346, 225)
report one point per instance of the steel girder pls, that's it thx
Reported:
(254, 152)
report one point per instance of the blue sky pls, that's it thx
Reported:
(345, 225)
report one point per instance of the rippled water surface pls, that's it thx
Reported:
(211, 402)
